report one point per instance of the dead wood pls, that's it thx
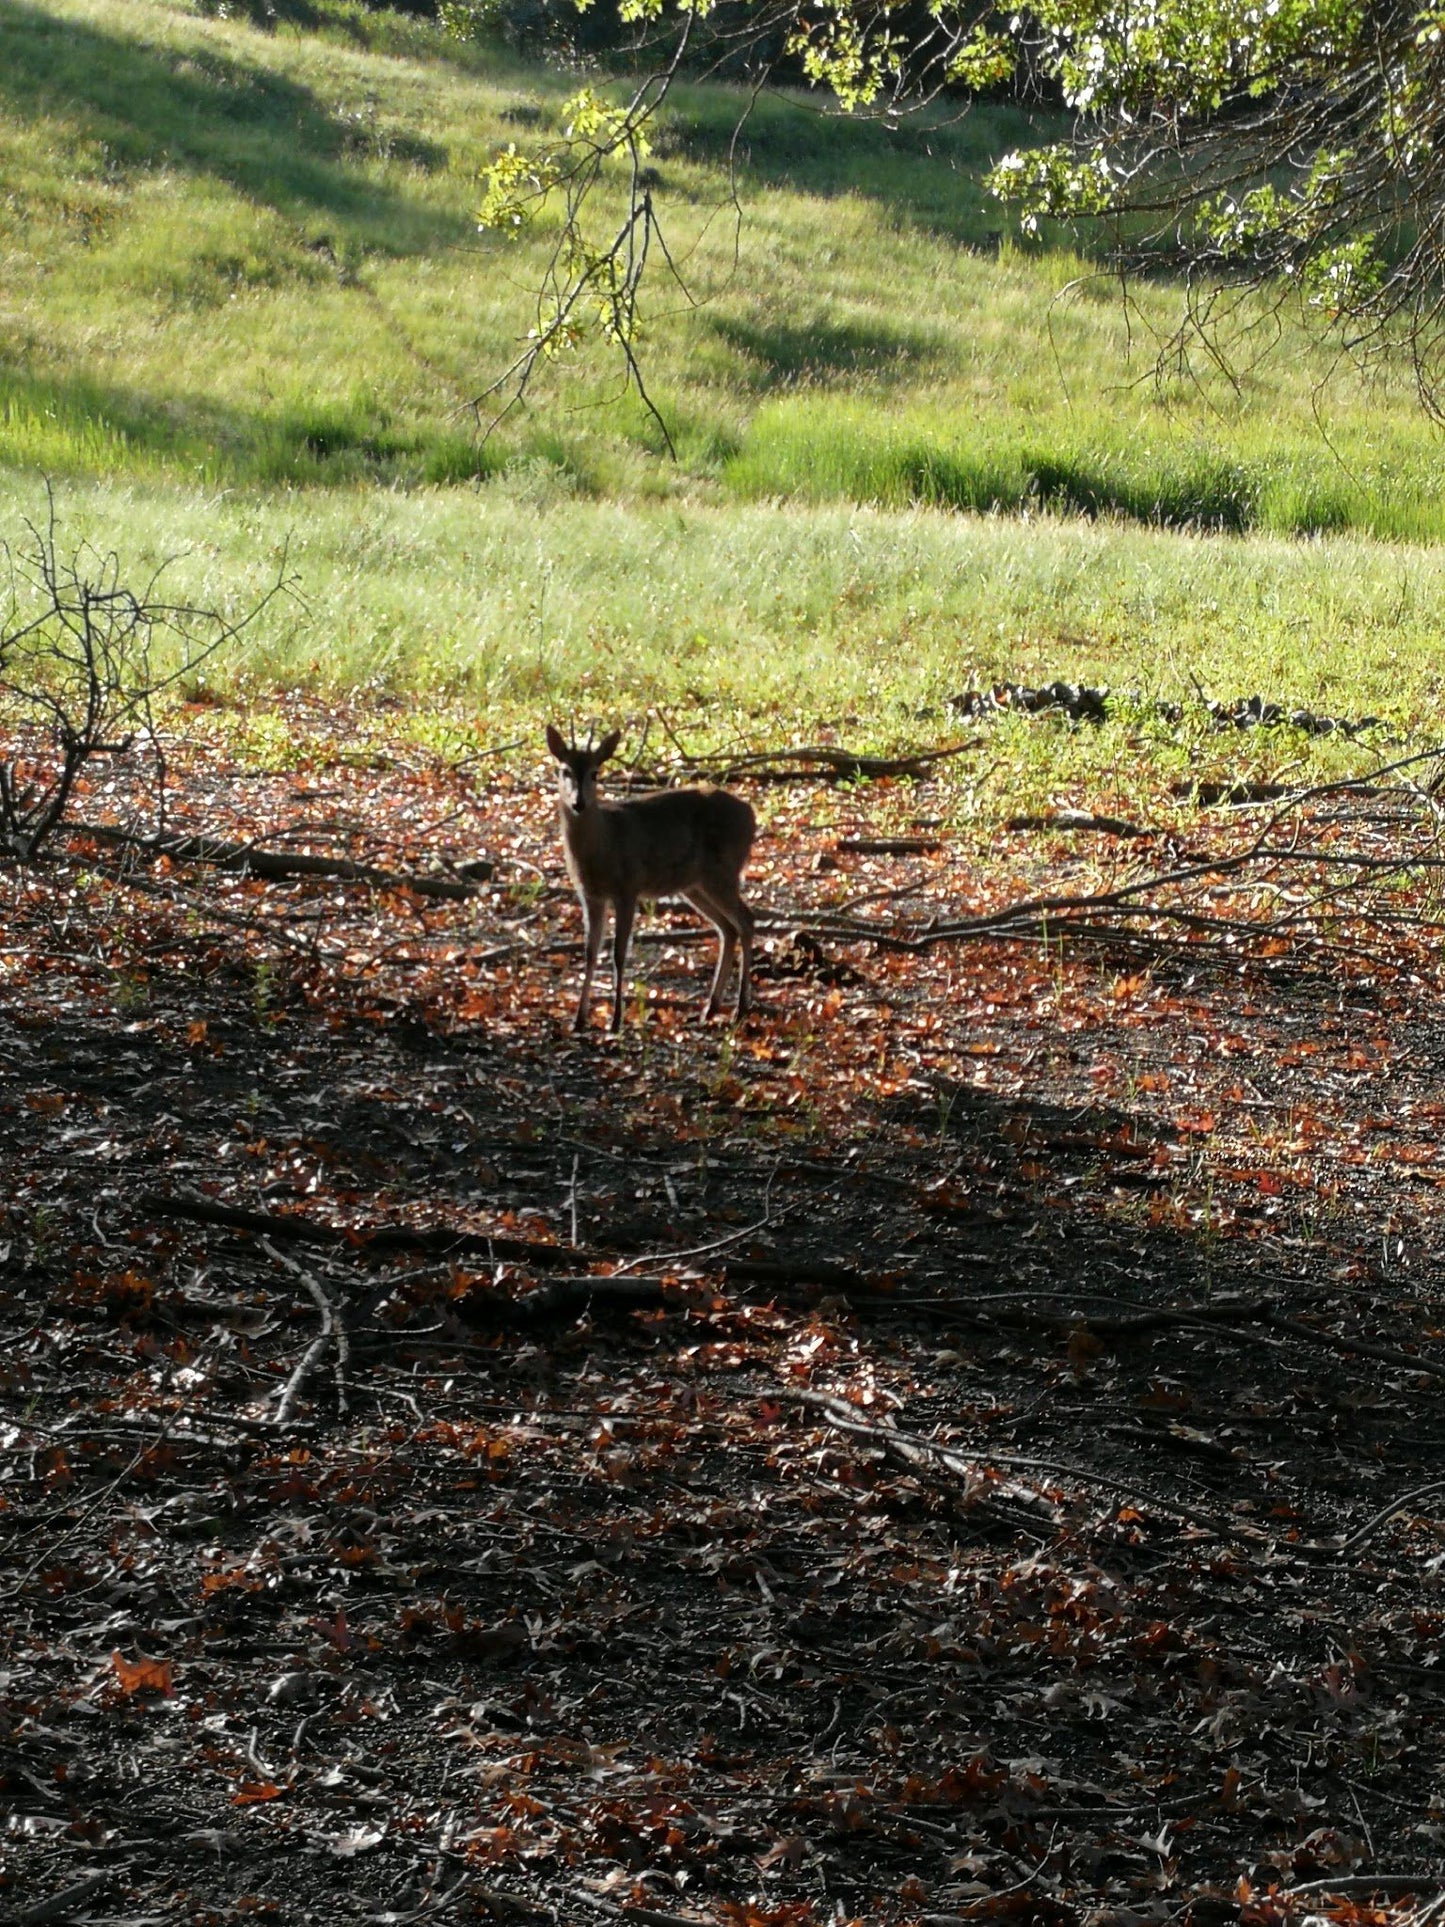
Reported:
(59, 1906)
(557, 1299)
(802, 1271)
(1351, 1346)
(916, 1449)
(1020, 1317)
(1387, 1512)
(814, 762)
(1078, 820)
(889, 845)
(307, 1363)
(385, 1237)
(284, 865)
(1189, 1445)
(568, 1297)
(333, 1334)
(1393, 1884)
(440, 1241)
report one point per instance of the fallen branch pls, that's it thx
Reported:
(566, 1297)
(914, 1449)
(558, 1298)
(386, 1237)
(333, 1329)
(282, 865)
(802, 1271)
(820, 762)
(1361, 1347)
(61, 1905)
(311, 1357)
(1078, 820)
(1371, 1526)
(889, 845)
(1392, 1884)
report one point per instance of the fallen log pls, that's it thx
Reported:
(433, 1240)
(284, 865)
(889, 845)
(1079, 820)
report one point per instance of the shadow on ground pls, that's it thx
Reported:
(595, 1603)
(209, 112)
(825, 353)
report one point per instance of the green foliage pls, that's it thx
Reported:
(1295, 142)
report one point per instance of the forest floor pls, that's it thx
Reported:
(947, 1449)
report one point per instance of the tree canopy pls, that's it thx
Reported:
(1293, 144)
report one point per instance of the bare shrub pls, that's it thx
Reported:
(84, 659)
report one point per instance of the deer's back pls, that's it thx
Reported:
(658, 844)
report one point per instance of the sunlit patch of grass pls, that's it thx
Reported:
(247, 312)
(760, 625)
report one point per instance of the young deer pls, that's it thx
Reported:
(670, 843)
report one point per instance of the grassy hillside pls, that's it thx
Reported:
(245, 308)
(240, 257)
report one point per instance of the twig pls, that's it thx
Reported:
(147, 1446)
(333, 1326)
(769, 1217)
(312, 1355)
(1386, 1513)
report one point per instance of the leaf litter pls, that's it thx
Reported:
(964, 1446)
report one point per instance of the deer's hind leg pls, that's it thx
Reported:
(729, 899)
(709, 904)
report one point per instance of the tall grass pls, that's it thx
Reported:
(527, 596)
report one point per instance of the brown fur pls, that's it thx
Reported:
(671, 843)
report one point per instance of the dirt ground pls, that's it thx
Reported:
(993, 1496)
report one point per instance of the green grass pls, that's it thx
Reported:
(526, 599)
(244, 258)
(245, 308)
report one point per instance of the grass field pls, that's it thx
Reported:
(754, 623)
(240, 257)
(245, 305)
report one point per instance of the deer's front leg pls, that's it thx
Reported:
(623, 912)
(594, 921)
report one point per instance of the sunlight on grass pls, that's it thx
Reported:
(248, 311)
(523, 596)
(236, 257)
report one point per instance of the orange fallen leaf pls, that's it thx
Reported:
(142, 1675)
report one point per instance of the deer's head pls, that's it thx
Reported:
(578, 766)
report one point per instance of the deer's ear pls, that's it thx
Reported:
(556, 744)
(608, 746)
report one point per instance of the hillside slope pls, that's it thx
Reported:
(241, 257)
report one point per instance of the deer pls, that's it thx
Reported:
(690, 843)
